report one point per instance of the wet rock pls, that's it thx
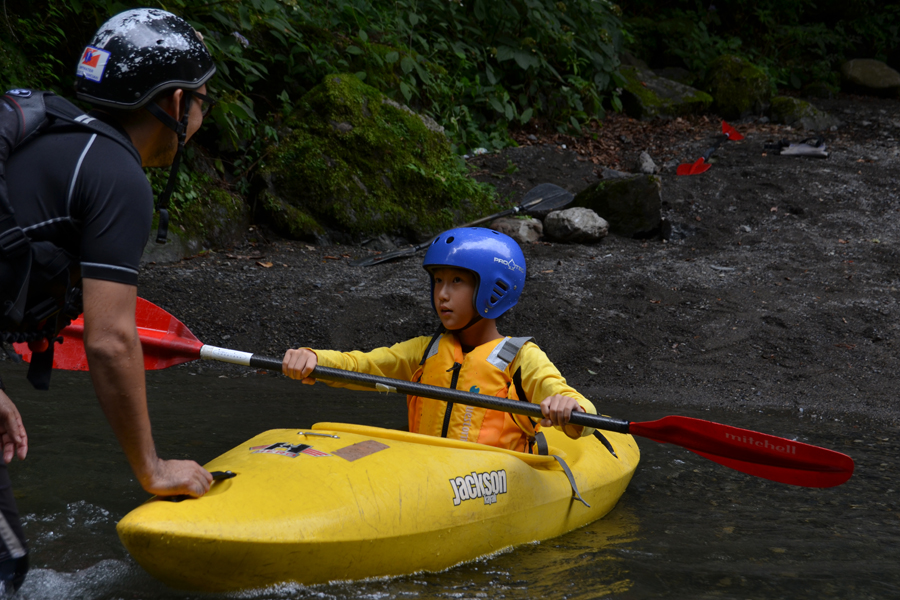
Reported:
(382, 243)
(524, 231)
(613, 174)
(682, 76)
(738, 87)
(630, 205)
(870, 76)
(646, 165)
(357, 164)
(800, 114)
(172, 251)
(647, 96)
(575, 225)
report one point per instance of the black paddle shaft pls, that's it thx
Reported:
(399, 386)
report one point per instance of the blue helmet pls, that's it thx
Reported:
(494, 257)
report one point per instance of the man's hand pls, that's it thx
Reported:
(12, 431)
(299, 363)
(178, 477)
(557, 410)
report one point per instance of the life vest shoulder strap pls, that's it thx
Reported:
(506, 351)
(432, 348)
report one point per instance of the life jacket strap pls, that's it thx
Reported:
(505, 352)
(432, 348)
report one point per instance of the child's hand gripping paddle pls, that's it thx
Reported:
(166, 342)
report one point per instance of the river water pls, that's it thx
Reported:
(685, 528)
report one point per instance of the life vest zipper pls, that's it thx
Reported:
(453, 381)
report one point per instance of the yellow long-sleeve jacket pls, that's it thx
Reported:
(505, 368)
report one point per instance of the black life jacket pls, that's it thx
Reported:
(40, 283)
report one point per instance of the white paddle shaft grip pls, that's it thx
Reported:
(225, 355)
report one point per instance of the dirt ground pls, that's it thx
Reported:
(779, 288)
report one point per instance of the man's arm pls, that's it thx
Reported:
(117, 370)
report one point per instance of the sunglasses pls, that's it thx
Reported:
(208, 103)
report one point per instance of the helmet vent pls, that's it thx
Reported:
(450, 239)
(500, 289)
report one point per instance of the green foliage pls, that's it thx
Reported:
(476, 67)
(795, 41)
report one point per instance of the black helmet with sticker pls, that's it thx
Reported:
(139, 53)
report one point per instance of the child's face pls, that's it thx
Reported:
(453, 293)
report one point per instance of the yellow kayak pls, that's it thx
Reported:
(344, 502)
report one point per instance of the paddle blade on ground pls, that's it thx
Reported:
(548, 197)
(759, 454)
(733, 134)
(694, 168)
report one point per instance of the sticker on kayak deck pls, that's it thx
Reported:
(360, 450)
(92, 64)
(289, 450)
(478, 485)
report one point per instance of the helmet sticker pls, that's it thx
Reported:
(93, 63)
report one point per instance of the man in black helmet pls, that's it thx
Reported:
(146, 71)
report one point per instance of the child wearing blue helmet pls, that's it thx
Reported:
(476, 276)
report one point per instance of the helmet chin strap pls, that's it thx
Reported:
(474, 320)
(180, 129)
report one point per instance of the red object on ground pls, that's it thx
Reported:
(694, 168)
(733, 134)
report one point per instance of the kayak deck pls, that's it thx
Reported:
(345, 502)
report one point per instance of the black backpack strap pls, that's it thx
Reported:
(22, 113)
(60, 109)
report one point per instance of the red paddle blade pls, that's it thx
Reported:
(751, 452)
(731, 133)
(695, 168)
(165, 340)
(70, 354)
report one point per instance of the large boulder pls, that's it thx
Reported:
(869, 76)
(355, 164)
(577, 225)
(204, 213)
(216, 218)
(523, 230)
(799, 113)
(630, 205)
(738, 87)
(647, 96)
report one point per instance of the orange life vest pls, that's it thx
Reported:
(484, 370)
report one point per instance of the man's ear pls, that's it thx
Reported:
(172, 104)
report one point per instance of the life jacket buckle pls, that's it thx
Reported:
(13, 242)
